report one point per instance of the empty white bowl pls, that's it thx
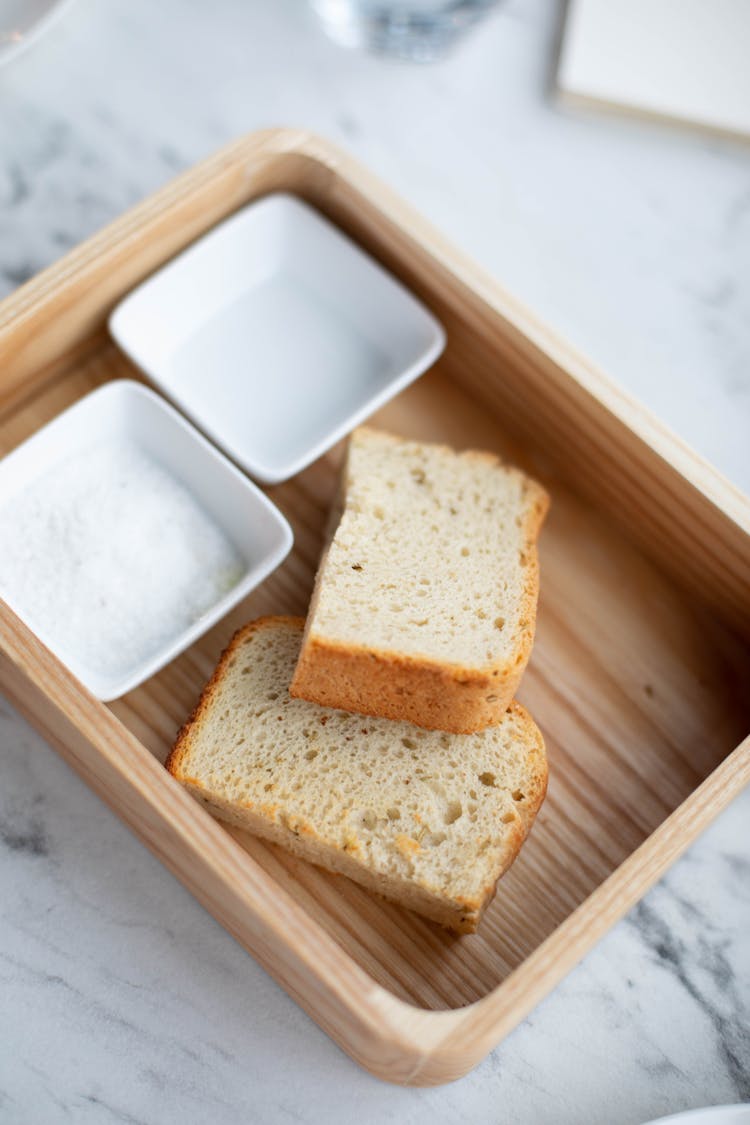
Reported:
(125, 415)
(277, 335)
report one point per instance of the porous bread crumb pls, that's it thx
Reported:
(426, 818)
(425, 601)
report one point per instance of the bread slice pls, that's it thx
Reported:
(425, 602)
(429, 820)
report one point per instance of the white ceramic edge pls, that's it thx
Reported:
(184, 255)
(430, 356)
(251, 580)
(11, 51)
(258, 470)
(232, 598)
(708, 1114)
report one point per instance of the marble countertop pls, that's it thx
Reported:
(122, 999)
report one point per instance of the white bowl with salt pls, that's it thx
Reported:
(126, 535)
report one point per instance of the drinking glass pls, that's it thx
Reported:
(417, 30)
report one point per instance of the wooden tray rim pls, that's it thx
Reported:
(389, 1036)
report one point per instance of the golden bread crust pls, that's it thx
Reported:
(419, 690)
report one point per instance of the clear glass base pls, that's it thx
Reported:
(415, 30)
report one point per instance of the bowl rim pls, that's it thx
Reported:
(108, 688)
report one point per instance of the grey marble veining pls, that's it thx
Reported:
(121, 999)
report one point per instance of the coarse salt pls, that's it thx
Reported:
(110, 558)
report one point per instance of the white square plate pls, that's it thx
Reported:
(120, 410)
(277, 335)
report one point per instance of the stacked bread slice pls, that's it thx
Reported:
(398, 757)
(425, 601)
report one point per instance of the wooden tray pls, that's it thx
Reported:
(640, 676)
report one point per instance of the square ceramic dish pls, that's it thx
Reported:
(276, 334)
(639, 678)
(124, 411)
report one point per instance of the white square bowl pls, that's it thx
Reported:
(277, 335)
(124, 409)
